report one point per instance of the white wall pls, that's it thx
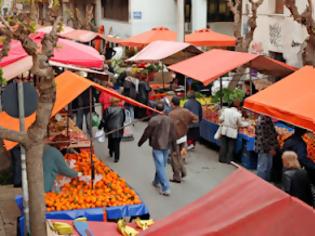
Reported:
(276, 32)
(153, 13)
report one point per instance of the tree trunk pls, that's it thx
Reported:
(309, 51)
(36, 189)
(243, 43)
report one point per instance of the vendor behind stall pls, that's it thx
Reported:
(53, 165)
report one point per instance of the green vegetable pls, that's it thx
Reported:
(228, 95)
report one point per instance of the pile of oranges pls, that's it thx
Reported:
(110, 191)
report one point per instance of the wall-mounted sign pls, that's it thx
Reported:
(137, 15)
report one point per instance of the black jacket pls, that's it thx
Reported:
(113, 119)
(296, 183)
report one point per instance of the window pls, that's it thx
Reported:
(116, 9)
(279, 6)
(218, 11)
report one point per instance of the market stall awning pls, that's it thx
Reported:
(292, 99)
(112, 39)
(66, 52)
(143, 39)
(68, 87)
(207, 37)
(17, 68)
(210, 65)
(165, 51)
(16, 53)
(83, 36)
(243, 204)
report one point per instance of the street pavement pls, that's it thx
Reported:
(137, 167)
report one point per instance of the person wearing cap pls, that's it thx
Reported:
(161, 134)
(195, 107)
(113, 123)
(182, 118)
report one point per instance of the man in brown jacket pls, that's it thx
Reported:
(182, 118)
(161, 134)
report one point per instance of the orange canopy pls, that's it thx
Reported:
(243, 204)
(141, 40)
(207, 37)
(210, 65)
(291, 99)
(68, 87)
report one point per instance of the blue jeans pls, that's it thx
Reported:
(160, 161)
(264, 166)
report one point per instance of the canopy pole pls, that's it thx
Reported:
(20, 89)
(91, 140)
(185, 87)
(221, 92)
(162, 75)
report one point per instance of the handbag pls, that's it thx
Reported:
(218, 134)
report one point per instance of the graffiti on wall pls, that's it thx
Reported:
(275, 35)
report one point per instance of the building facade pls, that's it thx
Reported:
(130, 17)
(277, 34)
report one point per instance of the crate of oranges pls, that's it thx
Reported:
(109, 191)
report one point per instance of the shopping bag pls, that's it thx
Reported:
(218, 134)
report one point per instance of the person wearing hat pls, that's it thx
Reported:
(113, 123)
(182, 118)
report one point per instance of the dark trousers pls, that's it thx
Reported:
(114, 147)
(193, 135)
(227, 149)
(177, 163)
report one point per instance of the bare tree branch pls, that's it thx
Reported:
(12, 135)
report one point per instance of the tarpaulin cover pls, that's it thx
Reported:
(68, 87)
(160, 50)
(95, 214)
(243, 204)
(143, 39)
(207, 37)
(292, 99)
(66, 52)
(210, 65)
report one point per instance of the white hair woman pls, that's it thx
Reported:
(295, 180)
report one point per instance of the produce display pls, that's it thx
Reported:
(110, 190)
(58, 132)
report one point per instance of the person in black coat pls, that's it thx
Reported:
(296, 144)
(113, 123)
(295, 180)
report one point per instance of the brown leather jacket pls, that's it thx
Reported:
(160, 132)
(182, 118)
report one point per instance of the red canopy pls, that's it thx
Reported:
(141, 40)
(242, 205)
(210, 65)
(207, 37)
(68, 87)
(66, 52)
(292, 99)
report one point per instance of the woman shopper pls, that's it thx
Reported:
(113, 123)
(295, 180)
(230, 121)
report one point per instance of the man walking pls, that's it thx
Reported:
(161, 134)
(182, 118)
